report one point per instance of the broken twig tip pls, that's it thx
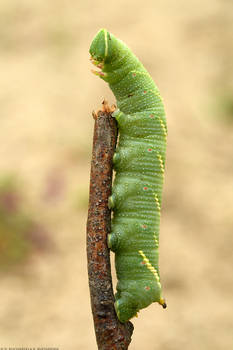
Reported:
(94, 115)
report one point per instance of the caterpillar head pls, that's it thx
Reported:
(101, 47)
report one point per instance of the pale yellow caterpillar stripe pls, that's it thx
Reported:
(149, 266)
(161, 161)
(156, 241)
(106, 43)
(163, 126)
(157, 203)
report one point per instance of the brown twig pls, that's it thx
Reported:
(110, 333)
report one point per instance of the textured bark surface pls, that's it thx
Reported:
(110, 333)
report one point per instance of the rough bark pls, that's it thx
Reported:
(110, 333)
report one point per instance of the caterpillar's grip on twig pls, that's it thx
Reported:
(139, 163)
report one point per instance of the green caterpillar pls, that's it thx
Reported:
(139, 163)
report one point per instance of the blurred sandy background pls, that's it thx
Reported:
(47, 93)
